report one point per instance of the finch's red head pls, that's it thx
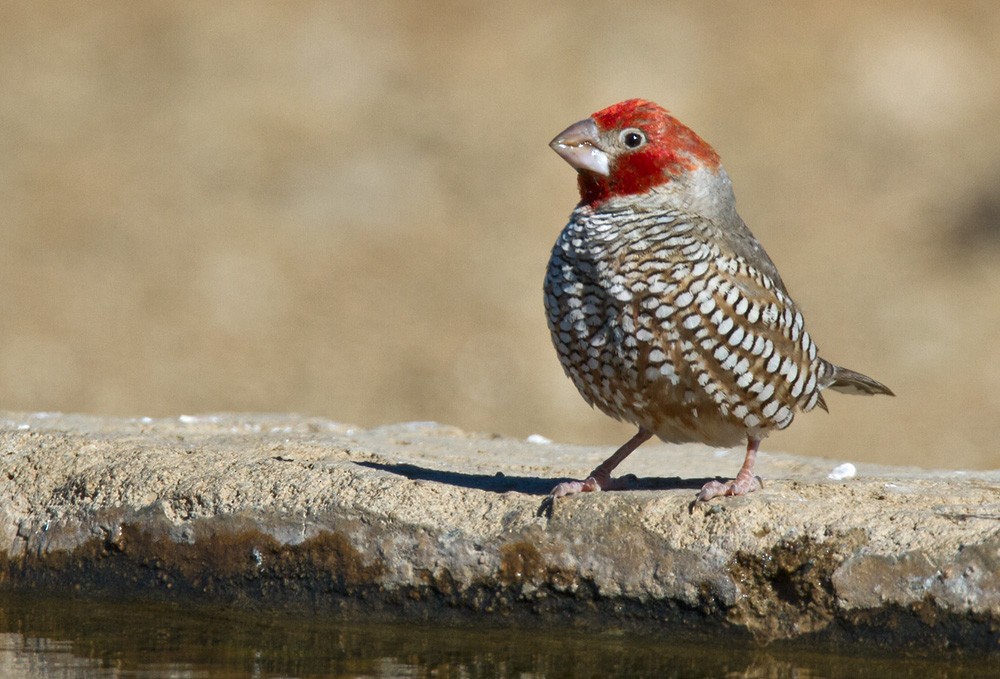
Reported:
(629, 148)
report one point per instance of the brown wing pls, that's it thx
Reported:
(744, 341)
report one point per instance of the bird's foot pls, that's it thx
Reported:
(741, 485)
(573, 487)
(593, 483)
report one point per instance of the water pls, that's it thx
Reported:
(84, 638)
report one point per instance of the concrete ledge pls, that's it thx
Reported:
(420, 520)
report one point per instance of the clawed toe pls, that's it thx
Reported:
(741, 485)
(594, 483)
(573, 487)
(710, 490)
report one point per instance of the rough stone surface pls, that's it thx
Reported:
(420, 520)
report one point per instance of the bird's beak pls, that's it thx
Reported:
(578, 146)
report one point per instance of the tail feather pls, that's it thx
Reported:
(848, 381)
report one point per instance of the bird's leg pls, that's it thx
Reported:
(600, 478)
(745, 481)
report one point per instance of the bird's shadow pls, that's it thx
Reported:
(529, 485)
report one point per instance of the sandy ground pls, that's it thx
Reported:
(345, 209)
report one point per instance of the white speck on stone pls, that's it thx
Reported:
(843, 471)
(539, 439)
(24, 426)
(417, 425)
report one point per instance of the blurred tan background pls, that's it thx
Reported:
(345, 208)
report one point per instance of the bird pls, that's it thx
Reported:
(664, 309)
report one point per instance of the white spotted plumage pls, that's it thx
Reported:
(665, 315)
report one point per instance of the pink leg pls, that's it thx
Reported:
(600, 478)
(745, 482)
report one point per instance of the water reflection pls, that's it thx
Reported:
(81, 638)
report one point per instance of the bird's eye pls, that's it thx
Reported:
(633, 138)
